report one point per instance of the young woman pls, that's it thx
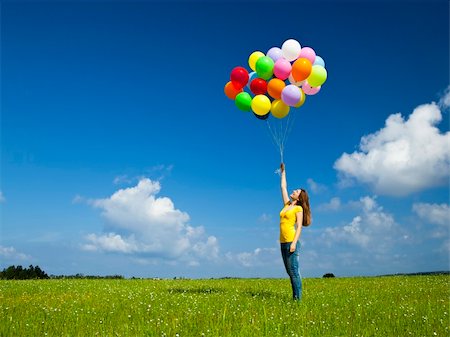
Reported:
(294, 215)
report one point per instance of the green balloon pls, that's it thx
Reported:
(243, 101)
(266, 76)
(264, 67)
(318, 76)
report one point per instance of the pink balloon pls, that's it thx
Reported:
(309, 90)
(282, 68)
(308, 53)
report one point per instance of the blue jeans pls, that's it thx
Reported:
(291, 264)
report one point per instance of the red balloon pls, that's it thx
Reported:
(239, 77)
(258, 86)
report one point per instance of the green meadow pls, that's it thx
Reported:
(370, 306)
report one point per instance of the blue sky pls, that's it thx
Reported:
(120, 153)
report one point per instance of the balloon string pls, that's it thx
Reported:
(280, 137)
(274, 137)
(281, 140)
(288, 128)
(281, 133)
(277, 138)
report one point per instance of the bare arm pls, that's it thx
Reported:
(284, 192)
(298, 230)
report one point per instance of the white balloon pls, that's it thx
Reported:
(291, 49)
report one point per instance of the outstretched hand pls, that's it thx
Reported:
(282, 167)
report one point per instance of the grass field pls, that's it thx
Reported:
(376, 306)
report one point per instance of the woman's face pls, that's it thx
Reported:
(296, 194)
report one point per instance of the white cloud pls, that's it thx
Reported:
(159, 171)
(256, 258)
(444, 102)
(11, 254)
(122, 179)
(373, 229)
(333, 205)
(137, 208)
(405, 156)
(2, 197)
(315, 187)
(433, 213)
(111, 242)
(141, 223)
(438, 218)
(77, 199)
(208, 249)
(265, 218)
(375, 241)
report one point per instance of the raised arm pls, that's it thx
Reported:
(284, 192)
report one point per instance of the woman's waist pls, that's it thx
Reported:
(287, 227)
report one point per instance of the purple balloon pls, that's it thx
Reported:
(274, 53)
(291, 95)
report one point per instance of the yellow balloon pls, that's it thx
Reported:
(302, 99)
(261, 105)
(279, 109)
(253, 58)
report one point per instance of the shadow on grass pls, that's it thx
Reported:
(263, 294)
(198, 291)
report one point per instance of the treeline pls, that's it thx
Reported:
(87, 277)
(426, 273)
(20, 273)
(32, 273)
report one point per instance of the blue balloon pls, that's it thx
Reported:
(251, 77)
(319, 61)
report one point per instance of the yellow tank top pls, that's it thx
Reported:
(287, 222)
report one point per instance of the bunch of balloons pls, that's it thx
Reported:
(279, 80)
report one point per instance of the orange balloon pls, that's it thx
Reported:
(301, 69)
(274, 87)
(231, 91)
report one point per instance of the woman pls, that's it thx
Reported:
(294, 215)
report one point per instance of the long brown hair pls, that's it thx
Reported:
(303, 200)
